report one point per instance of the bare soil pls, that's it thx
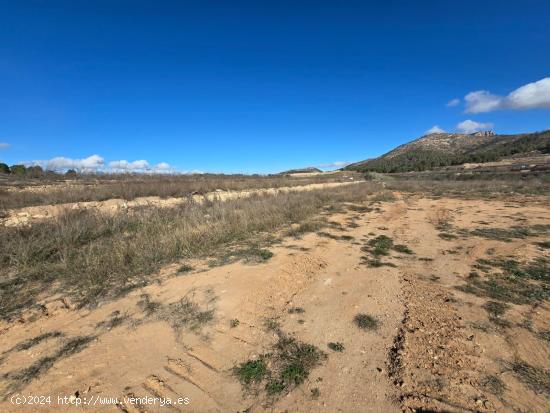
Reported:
(436, 347)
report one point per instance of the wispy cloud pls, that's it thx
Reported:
(453, 102)
(530, 96)
(337, 164)
(434, 129)
(4, 145)
(125, 166)
(471, 126)
(96, 163)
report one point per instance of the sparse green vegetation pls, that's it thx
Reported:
(288, 365)
(366, 322)
(494, 385)
(185, 314)
(507, 234)
(380, 245)
(425, 158)
(495, 308)
(339, 347)
(184, 268)
(271, 324)
(234, 323)
(447, 236)
(384, 196)
(251, 371)
(147, 305)
(296, 310)
(517, 283)
(537, 379)
(315, 393)
(403, 249)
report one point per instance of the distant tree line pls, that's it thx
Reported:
(32, 171)
(423, 159)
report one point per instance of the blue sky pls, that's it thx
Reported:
(262, 86)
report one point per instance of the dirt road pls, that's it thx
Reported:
(27, 215)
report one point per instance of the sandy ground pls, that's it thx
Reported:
(426, 355)
(27, 215)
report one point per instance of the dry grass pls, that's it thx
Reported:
(91, 256)
(464, 186)
(128, 187)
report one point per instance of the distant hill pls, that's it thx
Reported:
(301, 171)
(444, 149)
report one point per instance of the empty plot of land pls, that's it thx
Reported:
(348, 298)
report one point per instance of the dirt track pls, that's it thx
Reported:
(25, 216)
(426, 353)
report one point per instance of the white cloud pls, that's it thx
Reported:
(434, 129)
(125, 166)
(453, 102)
(162, 165)
(4, 145)
(96, 163)
(471, 126)
(61, 163)
(482, 101)
(530, 96)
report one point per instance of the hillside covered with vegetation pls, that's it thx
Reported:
(443, 149)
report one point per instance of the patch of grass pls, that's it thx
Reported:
(328, 235)
(544, 335)
(366, 322)
(494, 385)
(447, 236)
(186, 314)
(384, 196)
(257, 255)
(403, 249)
(517, 283)
(375, 263)
(359, 208)
(495, 308)
(507, 234)
(543, 245)
(380, 245)
(537, 379)
(315, 393)
(251, 371)
(274, 387)
(234, 323)
(288, 365)
(115, 320)
(271, 324)
(339, 347)
(185, 268)
(296, 310)
(147, 305)
(305, 228)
